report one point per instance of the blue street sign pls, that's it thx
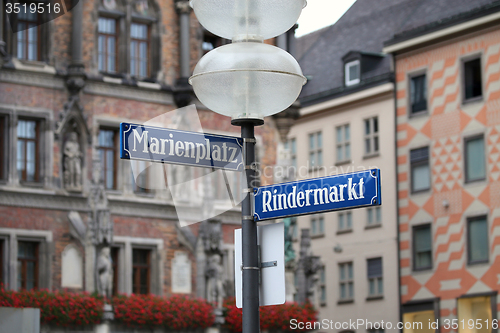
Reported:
(155, 144)
(347, 191)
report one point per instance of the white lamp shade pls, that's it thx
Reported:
(243, 19)
(247, 80)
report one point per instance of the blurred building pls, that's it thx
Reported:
(65, 86)
(346, 124)
(446, 59)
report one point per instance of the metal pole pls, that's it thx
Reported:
(251, 270)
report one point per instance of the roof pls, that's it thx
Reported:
(364, 28)
(303, 43)
(432, 15)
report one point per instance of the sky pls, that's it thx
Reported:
(321, 13)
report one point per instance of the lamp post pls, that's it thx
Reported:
(248, 80)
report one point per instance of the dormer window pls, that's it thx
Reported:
(352, 73)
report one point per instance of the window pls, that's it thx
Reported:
(294, 228)
(3, 148)
(343, 143)
(27, 265)
(141, 271)
(322, 286)
(418, 93)
(352, 73)
(344, 221)
(375, 277)
(420, 170)
(317, 226)
(139, 50)
(27, 150)
(2, 242)
(472, 79)
(116, 272)
(475, 310)
(475, 159)
(107, 154)
(346, 281)
(140, 177)
(422, 247)
(371, 136)
(477, 239)
(315, 149)
(107, 45)
(374, 216)
(420, 319)
(28, 36)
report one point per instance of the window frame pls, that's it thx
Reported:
(345, 215)
(148, 47)
(412, 76)
(347, 281)
(463, 61)
(4, 148)
(465, 153)
(371, 137)
(374, 211)
(24, 264)
(117, 41)
(147, 266)
(319, 222)
(348, 82)
(343, 144)
(468, 222)
(414, 250)
(420, 163)
(378, 294)
(38, 146)
(322, 286)
(26, 35)
(115, 157)
(317, 150)
(115, 262)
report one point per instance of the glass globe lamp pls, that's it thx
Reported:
(247, 19)
(247, 80)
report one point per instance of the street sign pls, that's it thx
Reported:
(346, 191)
(155, 144)
(271, 241)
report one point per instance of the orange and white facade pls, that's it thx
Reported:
(452, 208)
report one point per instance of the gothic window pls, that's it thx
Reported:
(107, 44)
(25, 35)
(3, 146)
(141, 271)
(139, 50)
(28, 36)
(28, 132)
(107, 142)
(27, 265)
(128, 39)
(116, 272)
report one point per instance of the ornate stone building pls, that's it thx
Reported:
(65, 196)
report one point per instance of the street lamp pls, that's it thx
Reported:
(248, 80)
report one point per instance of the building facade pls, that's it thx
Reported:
(346, 124)
(65, 86)
(447, 113)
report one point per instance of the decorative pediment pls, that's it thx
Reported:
(73, 120)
